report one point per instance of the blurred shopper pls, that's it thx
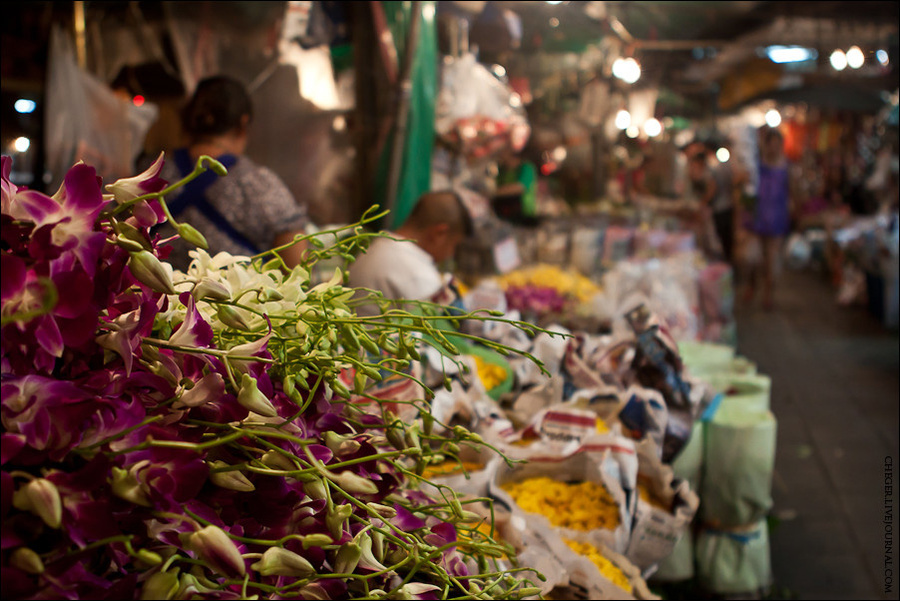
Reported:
(703, 190)
(247, 211)
(768, 221)
(405, 264)
(722, 206)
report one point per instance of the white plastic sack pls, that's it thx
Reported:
(739, 463)
(734, 562)
(86, 121)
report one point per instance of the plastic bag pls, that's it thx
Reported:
(86, 121)
(739, 463)
(736, 561)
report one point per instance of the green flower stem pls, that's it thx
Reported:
(122, 434)
(198, 169)
(204, 351)
(177, 444)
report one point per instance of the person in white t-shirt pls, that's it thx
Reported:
(405, 266)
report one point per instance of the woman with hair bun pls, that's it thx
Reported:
(247, 211)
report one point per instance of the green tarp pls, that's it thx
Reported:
(415, 168)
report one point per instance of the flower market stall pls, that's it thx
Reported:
(237, 429)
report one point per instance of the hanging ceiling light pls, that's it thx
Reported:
(626, 69)
(623, 119)
(838, 60)
(652, 127)
(855, 57)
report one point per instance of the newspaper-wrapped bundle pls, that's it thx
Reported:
(664, 512)
(586, 496)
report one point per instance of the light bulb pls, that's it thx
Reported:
(855, 57)
(652, 127)
(773, 118)
(838, 60)
(623, 119)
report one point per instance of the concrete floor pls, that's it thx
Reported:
(835, 396)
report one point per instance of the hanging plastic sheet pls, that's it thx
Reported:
(86, 120)
(415, 168)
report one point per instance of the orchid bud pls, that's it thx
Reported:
(383, 511)
(416, 590)
(267, 294)
(218, 550)
(231, 479)
(396, 438)
(40, 497)
(277, 461)
(231, 317)
(528, 591)
(278, 561)
(354, 483)
(161, 585)
(211, 163)
(190, 234)
(341, 444)
(377, 544)
(367, 559)
(316, 489)
(26, 560)
(148, 270)
(336, 519)
(210, 289)
(427, 422)
(125, 485)
(150, 558)
(252, 399)
(412, 436)
(315, 540)
(131, 238)
(347, 558)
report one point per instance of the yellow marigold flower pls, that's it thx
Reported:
(581, 506)
(490, 374)
(606, 567)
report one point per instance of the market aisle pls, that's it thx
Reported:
(835, 393)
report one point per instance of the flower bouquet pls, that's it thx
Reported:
(175, 435)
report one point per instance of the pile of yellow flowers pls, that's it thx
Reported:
(490, 374)
(607, 568)
(568, 282)
(450, 467)
(581, 506)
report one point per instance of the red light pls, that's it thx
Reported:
(138, 100)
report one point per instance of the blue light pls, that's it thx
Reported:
(790, 54)
(25, 106)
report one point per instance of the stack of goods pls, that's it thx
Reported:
(730, 461)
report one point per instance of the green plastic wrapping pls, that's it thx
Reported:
(752, 392)
(679, 565)
(418, 144)
(738, 464)
(688, 464)
(704, 358)
(734, 562)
